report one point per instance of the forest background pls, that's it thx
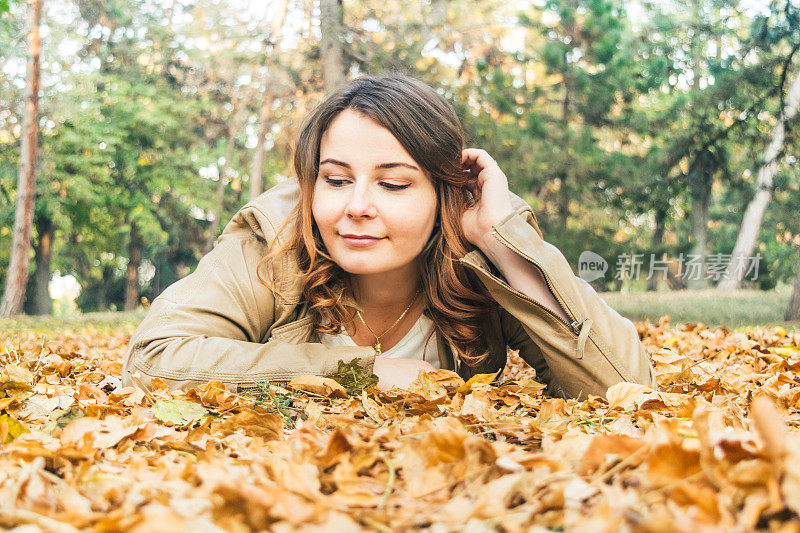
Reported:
(648, 133)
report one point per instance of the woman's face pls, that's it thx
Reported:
(373, 204)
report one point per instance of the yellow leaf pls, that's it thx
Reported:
(786, 351)
(466, 388)
(10, 428)
(672, 341)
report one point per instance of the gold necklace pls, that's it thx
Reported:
(377, 344)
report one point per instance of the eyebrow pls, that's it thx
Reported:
(380, 166)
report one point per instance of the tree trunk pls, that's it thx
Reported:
(563, 202)
(658, 239)
(754, 214)
(793, 312)
(267, 96)
(132, 272)
(43, 255)
(330, 46)
(257, 170)
(700, 181)
(19, 263)
(105, 283)
(563, 192)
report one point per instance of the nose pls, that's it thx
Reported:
(360, 202)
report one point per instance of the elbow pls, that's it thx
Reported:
(140, 364)
(143, 363)
(129, 362)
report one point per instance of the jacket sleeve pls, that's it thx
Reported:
(213, 324)
(596, 349)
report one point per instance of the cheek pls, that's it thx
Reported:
(430, 208)
(415, 220)
(322, 212)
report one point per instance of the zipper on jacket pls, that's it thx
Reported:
(581, 328)
(574, 325)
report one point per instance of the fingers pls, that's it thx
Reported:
(476, 157)
(474, 160)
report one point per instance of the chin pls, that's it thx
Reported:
(361, 265)
(360, 268)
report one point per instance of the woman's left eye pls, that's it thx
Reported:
(393, 186)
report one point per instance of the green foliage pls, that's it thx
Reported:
(283, 403)
(354, 377)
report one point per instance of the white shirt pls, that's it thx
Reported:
(418, 343)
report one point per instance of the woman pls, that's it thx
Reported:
(395, 246)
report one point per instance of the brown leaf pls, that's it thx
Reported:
(624, 394)
(19, 374)
(606, 449)
(318, 385)
(214, 394)
(88, 432)
(268, 426)
(426, 387)
(446, 378)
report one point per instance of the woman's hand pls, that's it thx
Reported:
(489, 186)
(398, 372)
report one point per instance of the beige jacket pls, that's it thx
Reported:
(221, 323)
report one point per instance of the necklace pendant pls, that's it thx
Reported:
(377, 349)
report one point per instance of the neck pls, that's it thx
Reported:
(386, 290)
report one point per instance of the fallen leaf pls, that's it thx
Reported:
(179, 412)
(10, 428)
(466, 388)
(317, 385)
(623, 394)
(268, 426)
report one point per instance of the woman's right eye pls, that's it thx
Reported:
(334, 182)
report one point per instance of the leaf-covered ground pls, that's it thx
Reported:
(715, 449)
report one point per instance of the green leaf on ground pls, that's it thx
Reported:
(61, 417)
(179, 412)
(354, 377)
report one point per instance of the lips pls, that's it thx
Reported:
(360, 240)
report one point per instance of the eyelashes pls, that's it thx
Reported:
(393, 187)
(333, 182)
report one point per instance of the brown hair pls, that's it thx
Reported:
(428, 128)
